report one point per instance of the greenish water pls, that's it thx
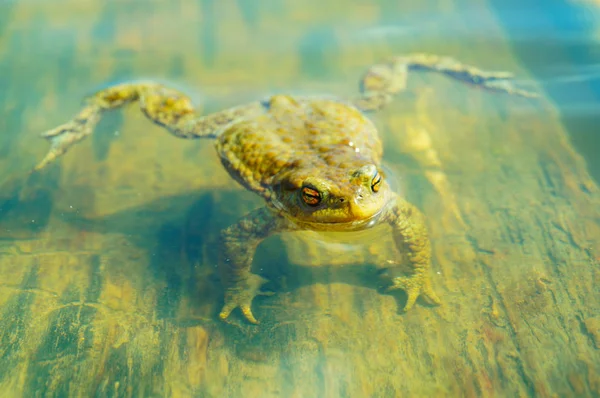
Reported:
(108, 282)
(558, 44)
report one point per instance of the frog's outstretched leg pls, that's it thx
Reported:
(239, 243)
(164, 106)
(382, 81)
(412, 240)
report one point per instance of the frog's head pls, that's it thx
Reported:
(332, 197)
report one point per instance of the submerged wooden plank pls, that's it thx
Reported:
(115, 293)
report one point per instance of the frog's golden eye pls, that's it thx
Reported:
(376, 183)
(311, 196)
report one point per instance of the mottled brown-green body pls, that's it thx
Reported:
(298, 137)
(315, 161)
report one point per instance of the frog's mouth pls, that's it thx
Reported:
(347, 218)
(332, 225)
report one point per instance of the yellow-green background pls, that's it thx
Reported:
(107, 259)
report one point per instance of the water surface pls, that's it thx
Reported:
(108, 258)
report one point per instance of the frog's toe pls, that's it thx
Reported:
(414, 287)
(498, 75)
(245, 307)
(226, 310)
(430, 295)
(58, 130)
(62, 138)
(241, 296)
(504, 84)
(247, 312)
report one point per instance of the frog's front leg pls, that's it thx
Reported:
(164, 106)
(412, 240)
(238, 245)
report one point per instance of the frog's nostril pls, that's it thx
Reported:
(341, 200)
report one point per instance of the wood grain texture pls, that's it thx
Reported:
(107, 260)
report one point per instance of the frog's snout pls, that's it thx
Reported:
(359, 194)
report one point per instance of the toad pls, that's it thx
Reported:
(315, 161)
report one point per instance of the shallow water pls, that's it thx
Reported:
(108, 281)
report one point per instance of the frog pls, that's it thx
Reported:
(316, 161)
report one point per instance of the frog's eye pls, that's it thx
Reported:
(311, 196)
(376, 182)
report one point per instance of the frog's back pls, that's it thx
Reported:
(294, 134)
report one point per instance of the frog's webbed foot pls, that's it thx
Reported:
(414, 286)
(66, 135)
(241, 295)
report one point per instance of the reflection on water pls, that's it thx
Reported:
(108, 281)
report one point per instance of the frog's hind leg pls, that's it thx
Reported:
(382, 81)
(164, 106)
